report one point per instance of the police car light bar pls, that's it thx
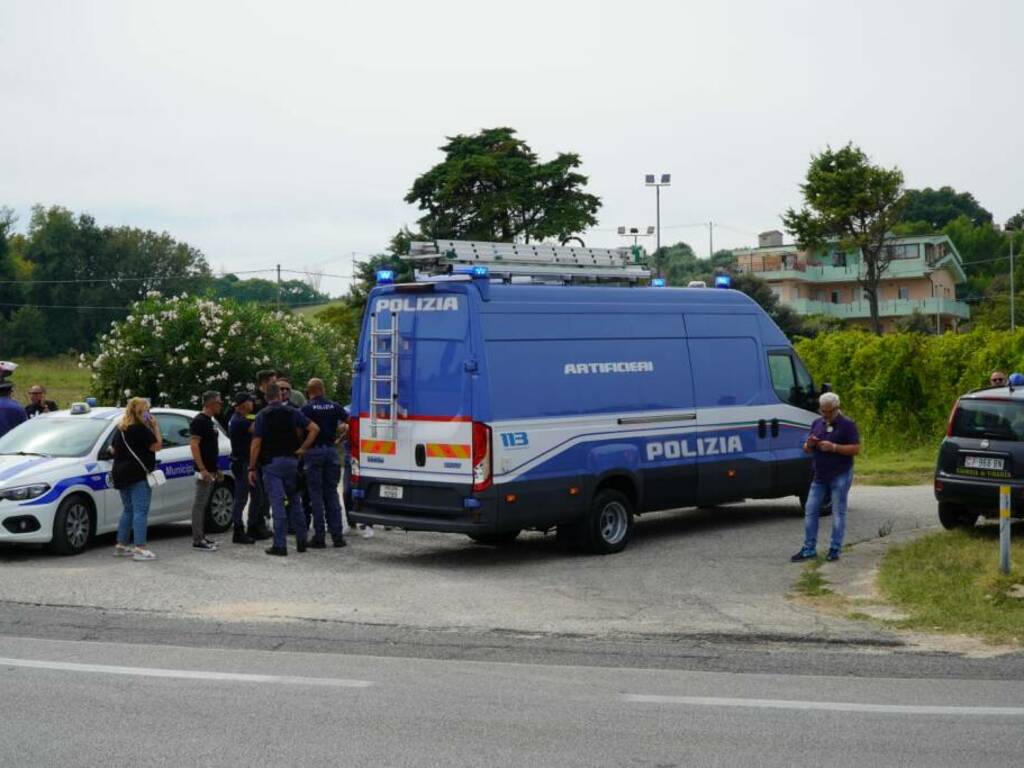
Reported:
(658, 282)
(385, 276)
(723, 281)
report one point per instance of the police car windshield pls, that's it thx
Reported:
(51, 436)
(991, 419)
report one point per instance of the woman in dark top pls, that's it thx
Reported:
(136, 441)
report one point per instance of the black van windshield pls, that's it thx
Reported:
(991, 419)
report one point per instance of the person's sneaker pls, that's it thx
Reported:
(260, 533)
(833, 555)
(204, 546)
(241, 537)
(317, 542)
(123, 550)
(367, 532)
(142, 554)
(276, 551)
(211, 542)
(339, 542)
(300, 546)
(803, 554)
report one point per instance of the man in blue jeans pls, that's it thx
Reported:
(833, 442)
(323, 467)
(276, 448)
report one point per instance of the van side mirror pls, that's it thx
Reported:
(825, 387)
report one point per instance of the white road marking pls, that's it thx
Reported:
(828, 706)
(184, 674)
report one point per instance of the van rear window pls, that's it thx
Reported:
(991, 419)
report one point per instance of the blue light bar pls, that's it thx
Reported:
(480, 272)
(658, 282)
(385, 276)
(723, 281)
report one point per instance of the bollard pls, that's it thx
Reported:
(1004, 528)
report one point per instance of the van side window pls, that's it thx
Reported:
(725, 371)
(790, 380)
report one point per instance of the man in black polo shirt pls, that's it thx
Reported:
(277, 446)
(205, 453)
(323, 467)
(240, 432)
(38, 402)
(263, 379)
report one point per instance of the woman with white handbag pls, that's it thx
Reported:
(136, 441)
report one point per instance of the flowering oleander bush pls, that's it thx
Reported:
(173, 349)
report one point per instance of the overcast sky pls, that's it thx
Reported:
(267, 132)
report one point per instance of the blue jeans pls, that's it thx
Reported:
(240, 470)
(323, 473)
(281, 479)
(839, 487)
(135, 517)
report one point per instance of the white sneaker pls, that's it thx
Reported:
(123, 550)
(142, 554)
(367, 532)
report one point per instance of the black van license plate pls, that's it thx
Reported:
(983, 462)
(391, 491)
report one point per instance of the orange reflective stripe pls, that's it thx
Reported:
(447, 451)
(385, 447)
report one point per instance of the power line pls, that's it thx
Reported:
(126, 279)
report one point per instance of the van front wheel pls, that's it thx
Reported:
(609, 526)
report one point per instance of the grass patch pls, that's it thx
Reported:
(313, 310)
(811, 583)
(65, 382)
(910, 466)
(950, 582)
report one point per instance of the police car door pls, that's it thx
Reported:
(175, 459)
(733, 443)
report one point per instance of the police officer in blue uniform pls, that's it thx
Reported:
(276, 449)
(12, 413)
(322, 464)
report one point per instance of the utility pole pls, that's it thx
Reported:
(1013, 315)
(666, 180)
(278, 287)
(711, 239)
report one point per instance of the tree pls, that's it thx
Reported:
(854, 204)
(915, 322)
(1016, 221)
(10, 292)
(491, 186)
(788, 321)
(940, 206)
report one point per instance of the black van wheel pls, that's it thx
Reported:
(219, 507)
(73, 526)
(609, 526)
(955, 516)
(826, 508)
(495, 539)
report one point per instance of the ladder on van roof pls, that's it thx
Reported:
(543, 262)
(384, 343)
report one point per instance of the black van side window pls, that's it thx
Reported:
(790, 379)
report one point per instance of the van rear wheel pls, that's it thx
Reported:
(609, 526)
(954, 516)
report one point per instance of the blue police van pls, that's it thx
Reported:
(487, 408)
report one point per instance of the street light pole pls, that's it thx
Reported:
(636, 234)
(666, 180)
(1013, 315)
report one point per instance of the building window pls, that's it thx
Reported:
(906, 251)
(835, 297)
(903, 293)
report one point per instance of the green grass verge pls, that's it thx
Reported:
(910, 466)
(950, 582)
(811, 583)
(65, 382)
(314, 309)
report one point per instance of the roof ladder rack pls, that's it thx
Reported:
(383, 376)
(538, 261)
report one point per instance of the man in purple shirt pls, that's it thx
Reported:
(833, 442)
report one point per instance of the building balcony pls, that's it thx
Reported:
(860, 310)
(901, 268)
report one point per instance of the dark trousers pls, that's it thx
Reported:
(245, 492)
(280, 478)
(323, 473)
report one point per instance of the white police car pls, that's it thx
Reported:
(55, 484)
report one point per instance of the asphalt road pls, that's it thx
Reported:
(721, 572)
(90, 704)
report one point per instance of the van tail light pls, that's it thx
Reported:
(353, 446)
(481, 456)
(952, 418)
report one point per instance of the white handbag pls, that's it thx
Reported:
(154, 478)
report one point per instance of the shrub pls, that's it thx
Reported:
(172, 349)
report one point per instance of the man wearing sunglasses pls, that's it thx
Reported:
(833, 442)
(997, 379)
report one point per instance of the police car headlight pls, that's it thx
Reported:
(24, 492)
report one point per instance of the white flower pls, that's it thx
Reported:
(184, 361)
(127, 393)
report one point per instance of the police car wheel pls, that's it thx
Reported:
(610, 523)
(218, 509)
(72, 526)
(495, 539)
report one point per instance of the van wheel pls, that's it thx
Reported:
(826, 508)
(955, 516)
(609, 526)
(72, 526)
(495, 539)
(219, 507)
